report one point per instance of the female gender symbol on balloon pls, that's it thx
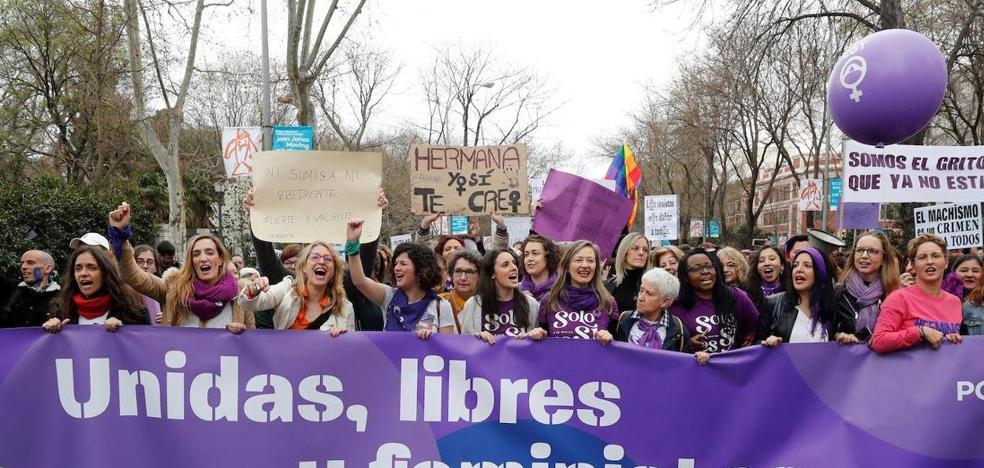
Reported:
(887, 87)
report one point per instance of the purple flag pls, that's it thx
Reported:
(858, 216)
(165, 397)
(575, 208)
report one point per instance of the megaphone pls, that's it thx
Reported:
(824, 241)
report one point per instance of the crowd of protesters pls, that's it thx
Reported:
(701, 300)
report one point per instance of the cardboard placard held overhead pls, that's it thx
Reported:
(469, 180)
(304, 196)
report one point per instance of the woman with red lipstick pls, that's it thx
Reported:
(871, 274)
(805, 312)
(578, 305)
(499, 307)
(922, 312)
(94, 294)
(202, 294)
(631, 259)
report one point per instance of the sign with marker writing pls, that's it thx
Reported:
(304, 196)
(959, 225)
(662, 217)
(471, 180)
(907, 173)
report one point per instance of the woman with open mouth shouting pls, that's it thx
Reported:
(94, 294)
(871, 274)
(315, 300)
(202, 294)
(806, 311)
(923, 312)
(500, 307)
(719, 318)
(541, 258)
(578, 305)
(631, 260)
(767, 276)
(412, 305)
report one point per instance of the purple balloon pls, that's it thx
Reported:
(887, 87)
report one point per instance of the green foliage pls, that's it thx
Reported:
(55, 212)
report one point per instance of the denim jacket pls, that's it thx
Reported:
(973, 318)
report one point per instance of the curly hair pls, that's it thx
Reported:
(426, 264)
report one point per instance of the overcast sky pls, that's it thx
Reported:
(598, 57)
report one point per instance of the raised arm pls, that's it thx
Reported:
(374, 291)
(266, 256)
(141, 281)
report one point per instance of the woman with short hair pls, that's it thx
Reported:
(499, 307)
(667, 258)
(94, 294)
(735, 266)
(651, 325)
(463, 267)
(922, 312)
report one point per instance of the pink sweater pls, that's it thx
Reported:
(907, 309)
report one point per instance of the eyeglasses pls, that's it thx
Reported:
(463, 272)
(699, 268)
(315, 257)
(934, 256)
(871, 252)
(143, 262)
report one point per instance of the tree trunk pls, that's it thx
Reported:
(892, 15)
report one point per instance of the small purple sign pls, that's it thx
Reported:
(858, 215)
(165, 397)
(576, 208)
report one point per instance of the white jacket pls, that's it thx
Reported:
(286, 304)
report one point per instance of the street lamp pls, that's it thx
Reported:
(219, 191)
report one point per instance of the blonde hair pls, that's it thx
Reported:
(623, 251)
(335, 288)
(564, 277)
(888, 273)
(741, 263)
(669, 249)
(183, 288)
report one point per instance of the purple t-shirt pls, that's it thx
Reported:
(702, 319)
(503, 323)
(579, 324)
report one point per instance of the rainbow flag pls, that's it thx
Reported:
(627, 176)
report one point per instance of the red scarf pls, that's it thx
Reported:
(91, 308)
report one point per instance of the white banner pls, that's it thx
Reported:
(905, 173)
(239, 144)
(811, 195)
(959, 225)
(662, 217)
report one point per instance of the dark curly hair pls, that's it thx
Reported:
(550, 251)
(426, 264)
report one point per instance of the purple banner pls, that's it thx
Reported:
(154, 397)
(858, 216)
(575, 208)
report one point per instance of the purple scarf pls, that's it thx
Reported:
(769, 289)
(539, 291)
(868, 296)
(582, 299)
(650, 334)
(208, 300)
(403, 316)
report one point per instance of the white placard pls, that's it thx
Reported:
(518, 227)
(958, 224)
(662, 217)
(399, 239)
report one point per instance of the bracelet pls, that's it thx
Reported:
(352, 247)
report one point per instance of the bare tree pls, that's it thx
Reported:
(470, 93)
(306, 61)
(166, 154)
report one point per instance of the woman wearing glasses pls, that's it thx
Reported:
(463, 268)
(922, 312)
(871, 274)
(315, 300)
(720, 318)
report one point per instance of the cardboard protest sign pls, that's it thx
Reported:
(469, 180)
(575, 208)
(304, 196)
(239, 144)
(811, 194)
(959, 225)
(907, 173)
(662, 217)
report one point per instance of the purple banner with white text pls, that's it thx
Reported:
(157, 397)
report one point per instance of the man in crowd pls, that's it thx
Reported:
(795, 244)
(27, 303)
(166, 250)
(237, 260)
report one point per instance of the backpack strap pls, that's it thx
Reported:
(622, 316)
(680, 325)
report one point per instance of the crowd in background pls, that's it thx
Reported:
(702, 300)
